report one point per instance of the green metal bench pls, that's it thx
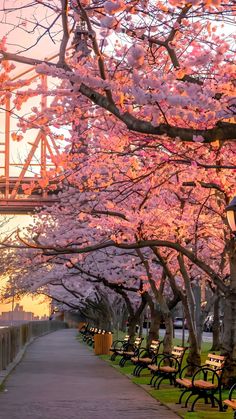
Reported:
(231, 402)
(167, 366)
(206, 382)
(119, 346)
(145, 357)
(132, 350)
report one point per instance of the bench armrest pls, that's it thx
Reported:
(205, 371)
(170, 357)
(190, 364)
(231, 391)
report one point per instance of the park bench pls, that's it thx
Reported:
(205, 383)
(167, 366)
(83, 329)
(88, 337)
(230, 402)
(87, 333)
(119, 346)
(132, 350)
(145, 357)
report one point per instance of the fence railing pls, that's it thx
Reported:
(14, 338)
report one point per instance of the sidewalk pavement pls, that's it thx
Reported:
(60, 378)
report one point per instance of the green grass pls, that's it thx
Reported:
(169, 395)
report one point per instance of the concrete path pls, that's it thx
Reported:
(60, 378)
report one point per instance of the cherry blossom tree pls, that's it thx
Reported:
(89, 217)
(163, 69)
(148, 90)
(95, 222)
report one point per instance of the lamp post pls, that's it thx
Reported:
(231, 215)
(231, 299)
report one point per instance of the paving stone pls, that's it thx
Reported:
(60, 378)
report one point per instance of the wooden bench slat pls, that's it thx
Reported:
(146, 360)
(184, 382)
(214, 356)
(153, 367)
(176, 355)
(204, 384)
(213, 363)
(179, 349)
(166, 368)
(230, 403)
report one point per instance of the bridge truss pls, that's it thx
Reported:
(22, 166)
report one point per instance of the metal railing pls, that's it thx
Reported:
(14, 338)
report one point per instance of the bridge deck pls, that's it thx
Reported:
(24, 206)
(60, 378)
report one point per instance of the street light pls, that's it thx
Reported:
(231, 215)
(229, 324)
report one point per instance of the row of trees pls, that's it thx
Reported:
(148, 93)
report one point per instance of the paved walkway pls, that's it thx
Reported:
(60, 378)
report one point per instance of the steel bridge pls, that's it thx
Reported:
(28, 162)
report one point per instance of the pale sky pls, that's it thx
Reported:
(36, 305)
(17, 38)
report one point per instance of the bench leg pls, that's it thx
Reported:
(153, 380)
(156, 378)
(186, 401)
(158, 381)
(212, 399)
(135, 371)
(113, 357)
(141, 367)
(219, 402)
(121, 362)
(182, 395)
(194, 402)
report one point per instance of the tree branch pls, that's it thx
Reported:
(222, 131)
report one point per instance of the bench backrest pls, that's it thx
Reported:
(178, 353)
(137, 342)
(154, 347)
(215, 362)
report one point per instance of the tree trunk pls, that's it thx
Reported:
(194, 355)
(155, 324)
(190, 309)
(197, 313)
(216, 345)
(132, 327)
(168, 339)
(141, 320)
(161, 300)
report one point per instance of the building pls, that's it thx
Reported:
(18, 315)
